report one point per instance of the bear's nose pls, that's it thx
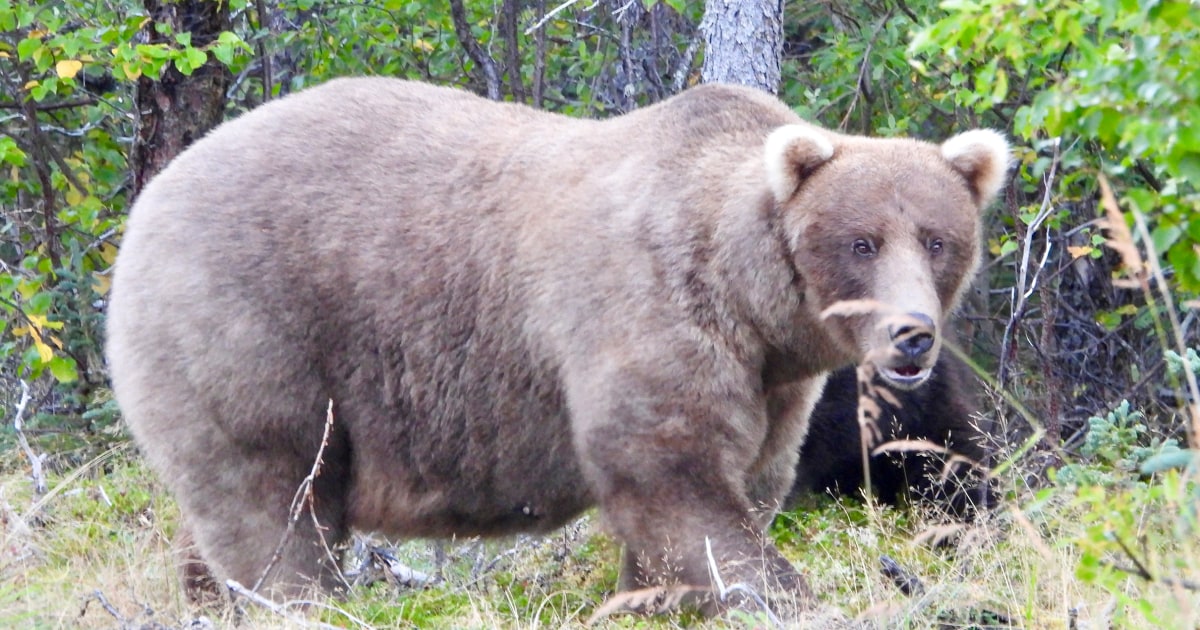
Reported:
(914, 336)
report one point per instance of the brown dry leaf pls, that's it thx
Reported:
(936, 534)
(1079, 251)
(649, 601)
(1120, 239)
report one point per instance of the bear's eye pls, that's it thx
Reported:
(935, 246)
(863, 247)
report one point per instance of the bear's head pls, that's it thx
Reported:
(884, 235)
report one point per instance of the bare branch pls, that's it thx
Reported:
(35, 460)
(548, 16)
(1026, 286)
(264, 26)
(281, 609)
(539, 61)
(45, 107)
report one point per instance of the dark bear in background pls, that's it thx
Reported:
(940, 411)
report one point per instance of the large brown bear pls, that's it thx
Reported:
(518, 315)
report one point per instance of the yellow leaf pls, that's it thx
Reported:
(37, 32)
(108, 253)
(68, 68)
(101, 283)
(422, 45)
(32, 84)
(45, 352)
(1079, 251)
(38, 322)
(56, 341)
(20, 331)
(4, 55)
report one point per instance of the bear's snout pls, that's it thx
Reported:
(911, 350)
(914, 336)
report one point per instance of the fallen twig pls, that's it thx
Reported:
(905, 580)
(279, 609)
(35, 460)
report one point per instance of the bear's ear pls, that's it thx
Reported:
(983, 157)
(792, 152)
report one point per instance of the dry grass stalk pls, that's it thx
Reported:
(649, 601)
(302, 499)
(1121, 240)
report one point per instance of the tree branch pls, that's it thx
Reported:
(462, 28)
(264, 25)
(46, 107)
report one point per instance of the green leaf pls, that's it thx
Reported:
(63, 369)
(1167, 461)
(223, 53)
(1189, 168)
(1165, 235)
(27, 47)
(196, 57)
(680, 6)
(10, 152)
(1000, 89)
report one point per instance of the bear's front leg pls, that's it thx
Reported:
(668, 451)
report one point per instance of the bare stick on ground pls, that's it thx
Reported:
(35, 460)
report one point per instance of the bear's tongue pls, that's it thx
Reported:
(908, 370)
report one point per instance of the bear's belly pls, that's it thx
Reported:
(537, 501)
(494, 475)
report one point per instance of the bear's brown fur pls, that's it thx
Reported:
(518, 315)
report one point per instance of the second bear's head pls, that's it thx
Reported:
(884, 234)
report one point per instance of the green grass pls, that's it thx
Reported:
(1044, 559)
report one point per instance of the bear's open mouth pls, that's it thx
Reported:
(908, 371)
(905, 376)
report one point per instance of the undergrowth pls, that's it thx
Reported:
(1103, 546)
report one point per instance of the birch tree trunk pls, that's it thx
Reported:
(743, 42)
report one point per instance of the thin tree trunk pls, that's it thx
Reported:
(176, 110)
(462, 28)
(743, 43)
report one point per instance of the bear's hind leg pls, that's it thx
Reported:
(261, 528)
(236, 489)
